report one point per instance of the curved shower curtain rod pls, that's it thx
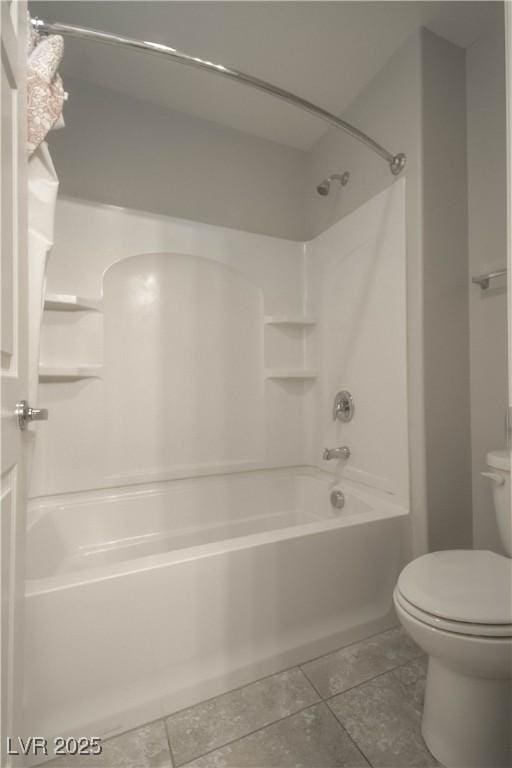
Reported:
(396, 162)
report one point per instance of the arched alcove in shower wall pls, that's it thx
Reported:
(183, 359)
(222, 274)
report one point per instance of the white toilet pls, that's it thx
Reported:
(457, 605)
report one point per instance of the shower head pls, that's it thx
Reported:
(324, 187)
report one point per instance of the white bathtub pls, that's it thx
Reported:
(143, 600)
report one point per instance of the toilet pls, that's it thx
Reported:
(457, 606)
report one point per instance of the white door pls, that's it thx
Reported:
(508, 47)
(13, 366)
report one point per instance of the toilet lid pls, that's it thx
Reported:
(461, 585)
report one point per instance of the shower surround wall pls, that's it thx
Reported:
(181, 339)
(194, 378)
(356, 286)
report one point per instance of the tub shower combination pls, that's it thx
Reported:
(147, 597)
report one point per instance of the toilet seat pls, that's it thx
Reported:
(464, 591)
(503, 631)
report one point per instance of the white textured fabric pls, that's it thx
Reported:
(45, 91)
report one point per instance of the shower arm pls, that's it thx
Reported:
(396, 162)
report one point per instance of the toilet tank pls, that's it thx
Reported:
(499, 473)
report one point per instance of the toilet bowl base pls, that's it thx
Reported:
(467, 721)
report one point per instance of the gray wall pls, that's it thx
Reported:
(487, 248)
(445, 298)
(416, 105)
(125, 152)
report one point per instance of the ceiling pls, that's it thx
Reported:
(323, 51)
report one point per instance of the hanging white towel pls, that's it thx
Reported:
(45, 91)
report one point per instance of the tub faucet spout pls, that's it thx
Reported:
(336, 453)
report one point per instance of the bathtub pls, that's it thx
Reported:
(147, 599)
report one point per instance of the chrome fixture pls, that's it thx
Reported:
(484, 280)
(343, 408)
(336, 453)
(396, 162)
(26, 414)
(337, 499)
(325, 185)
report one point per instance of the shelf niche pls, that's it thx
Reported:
(295, 374)
(68, 302)
(300, 321)
(55, 373)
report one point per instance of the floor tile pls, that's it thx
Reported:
(383, 716)
(225, 718)
(144, 747)
(311, 738)
(361, 661)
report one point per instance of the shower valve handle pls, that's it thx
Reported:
(343, 408)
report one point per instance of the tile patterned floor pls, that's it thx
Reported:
(359, 706)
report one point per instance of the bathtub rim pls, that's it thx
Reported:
(40, 504)
(384, 506)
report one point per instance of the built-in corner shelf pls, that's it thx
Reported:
(67, 302)
(484, 280)
(298, 320)
(53, 373)
(291, 373)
